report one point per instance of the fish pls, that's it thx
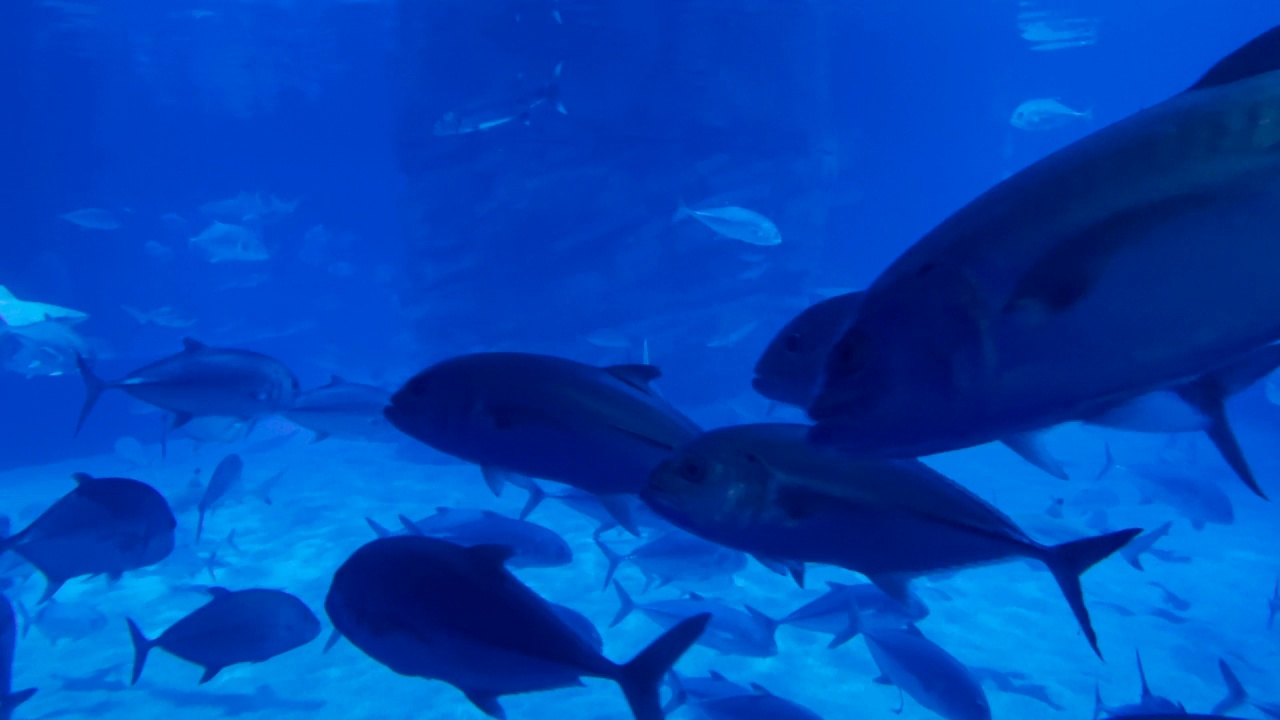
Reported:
(581, 626)
(201, 381)
(756, 702)
(598, 429)
(9, 698)
(627, 506)
(927, 674)
(765, 489)
(844, 610)
(1148, 703)
(1273, 605)
(735, 223)
(533, 545)
(15, 313)
(92, 219)
(64, 620)
(789, 370)
(344, 409)
(1098, 275)
(225, 242)
(234, 627)
(1200, 500)
(490, 116)
(160, 317)
(1011, 683)
(105, 526)
(428, 608)
(714, 685)
(226, 476)
(746, 633)
(1046, 114)
(1132, 553)
(677, 557)
(46, 348)
(249, 207)
(263, 700)
(1172, 599)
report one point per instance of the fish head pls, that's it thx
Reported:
(910, 372)
(703, 485)
(791, 366)
(431, 405)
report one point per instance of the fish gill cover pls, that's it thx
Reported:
(572, 358)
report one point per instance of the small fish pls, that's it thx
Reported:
(9, 699)
(1200, 500)
(677, 557)
(844, 610)
(1012, 683)
(1149, 704)
(236, 626)
(105, 526)
(754, 704)
(246, 207)
(202, 381)
(532, 545)
(1132, 553)
(745, 633)
(224, 242)
(1172, 599)
(160, 317)
(226, 476)
(1046, 114)
(92, 219)
(64, 620)
(736, 223)
(428, 608)
(481, 119)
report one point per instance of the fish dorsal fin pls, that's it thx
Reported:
(1259, 56)
(1142, 676)
(637, 376)
(496, 555)
(760, 689)
(192, 345)
(81, 477)
(409, 525)
(216, 591)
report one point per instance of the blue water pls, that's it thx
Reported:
(856, 127)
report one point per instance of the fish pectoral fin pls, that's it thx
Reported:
(209, 674)
(487, 704)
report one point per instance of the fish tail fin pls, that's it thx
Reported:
(377, 528)
(1099, 707)
(1209, 397)
(625, 604)
(10, 702)
(641, 678)
(531, 503)
(613, 559)
(1069, 561)
(553, 89)
(682, 211)
(679, 696)
(334, 637)
(200, 525)
(1108, 464)
(93, 387)
(1236, 694)
(25, 616)
(619, 509)
(1033, 447)
(141, 646)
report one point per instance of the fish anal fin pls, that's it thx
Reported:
(209, 674)
(487, 704)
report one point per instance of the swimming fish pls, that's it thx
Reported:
(428, 608)
(344, 409)
(927, 673)
(226, 476)
(225, 242)
(737, 223)
(1045, 114)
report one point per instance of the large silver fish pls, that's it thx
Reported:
(1135, 260)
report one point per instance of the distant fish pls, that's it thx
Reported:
(1012, 684)
(532, 545)
(63, 620)
(223, 242)
(201, 381)
(927, 673)
(344, 409)
(756, 703)
(1045, 114)
(745, 633)
(236, 626)
(489, 117)
(677, 557)
(734, 222)
(226, 476)
(1149, 704)
(1132, 553)
(48, 348)
(105, 526)
(15, 313)
(1172, 599)
(93, 219)
(9, 700)
(1273, 605)
(844, 610)
(160, 317)
(428, 608)
(262, 701)
(246, 207)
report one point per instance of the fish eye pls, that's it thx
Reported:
(693, 471)
(791, 343)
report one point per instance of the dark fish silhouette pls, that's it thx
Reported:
(236, 626)
(104, 526)
(928, 674)
(535, 546)
(429, 608)
(747, 632)
(9, 699)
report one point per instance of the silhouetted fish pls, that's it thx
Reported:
(9, 700)
(225, 477)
